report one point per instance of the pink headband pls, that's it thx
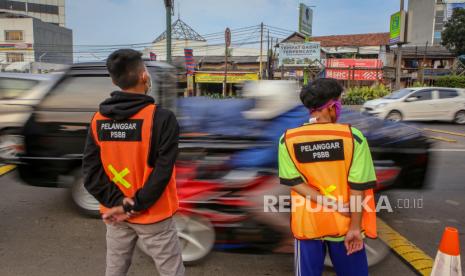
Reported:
(323, 106)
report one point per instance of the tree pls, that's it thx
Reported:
(453, 36)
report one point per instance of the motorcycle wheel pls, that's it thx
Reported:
(376, 252)
(196, 236)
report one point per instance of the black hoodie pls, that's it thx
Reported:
(162, 156)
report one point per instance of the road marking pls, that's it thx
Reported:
(427, 221)
(452, 202)
(442, 139)
(445, 131)
(413, 255)
(6, 168)
(447, 150)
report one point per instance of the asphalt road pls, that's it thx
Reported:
(41, 232)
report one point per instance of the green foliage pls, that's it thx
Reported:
(450, 81)
(453, 36)
(359, 95)
(419, 84)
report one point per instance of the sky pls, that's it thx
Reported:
(108, 22)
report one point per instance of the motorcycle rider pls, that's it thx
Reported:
(277, 107)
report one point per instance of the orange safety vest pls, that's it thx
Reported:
(124, 150)
(323, 153)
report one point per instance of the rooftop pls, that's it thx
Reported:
(409, 51)
(350, 40)
(181, 31)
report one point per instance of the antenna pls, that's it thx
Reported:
(179, 10)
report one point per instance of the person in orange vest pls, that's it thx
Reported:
(330, 172)
(129, 167)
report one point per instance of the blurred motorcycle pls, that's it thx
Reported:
(215, 212)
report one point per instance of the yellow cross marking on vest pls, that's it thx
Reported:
(119, 176)
(328, 191)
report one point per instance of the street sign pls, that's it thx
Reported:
(227, 37)
(305, 20)
(21, 46)
(397, 28)
(299, 54)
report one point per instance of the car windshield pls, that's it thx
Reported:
(13, 88)
(399, 94)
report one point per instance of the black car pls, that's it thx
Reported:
(55, 134)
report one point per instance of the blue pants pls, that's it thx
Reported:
(310, 256)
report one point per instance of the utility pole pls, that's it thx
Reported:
(261, 50)
(268, 53)
(227, 43)
(399, 56)
(421, 71)
(169, 7)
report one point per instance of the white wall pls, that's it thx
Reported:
(201, 48)
(46, 38)
(421, 14)
(17, 24)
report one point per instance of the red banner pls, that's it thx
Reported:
(189, 60)
(357, 69)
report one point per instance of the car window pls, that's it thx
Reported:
(399, 94)
(422, 95)
(13, 88)
(446, 94)
(83, 92)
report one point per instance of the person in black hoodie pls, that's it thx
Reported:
(128, 167)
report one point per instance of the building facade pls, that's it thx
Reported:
(50, 11)
(27, 39)
(209, 61)
(427, 18)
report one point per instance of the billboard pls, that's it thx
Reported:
(397, 28)
(17, 46)
(299, 54)
(305, 20)
(451, 6)
(233, 77)
(354, 69)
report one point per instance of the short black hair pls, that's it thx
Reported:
(319, 92)
(124, 66)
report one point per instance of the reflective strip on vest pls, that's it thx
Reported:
(119, 176)
(322, 153)
(124, 150)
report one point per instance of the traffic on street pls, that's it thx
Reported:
(49, 234)
(288, 142)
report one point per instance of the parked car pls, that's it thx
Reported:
(19, 92)
(420, 104)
